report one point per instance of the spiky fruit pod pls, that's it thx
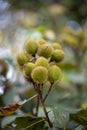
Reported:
(27, 69)
(57, 55)
(23, 58)
(69, 39)
(45, 50)
(31, 46)
(84, 105)
(54, 73)
(68, 30)
(56, 46)
(47, 84)
(84, 45)
(80, 34)
(39, 74)
(41, 42)
(41, 61)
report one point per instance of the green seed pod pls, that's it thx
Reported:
(27, 69)
(69, 39)
(57, 55)
(56, 46)
(31, 46)
(23, 58)
(80, 34)
(45, 50)
(54, 73)
(84, 45)
(41, 42)
(39, 74)
(52, 63)
(47, 84)
(42, 62)
(68, 30)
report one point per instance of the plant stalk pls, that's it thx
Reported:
(47, 93)
(37, 106)
(44, 108)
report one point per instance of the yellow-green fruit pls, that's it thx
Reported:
(28, 67)
(42, 62)
(57, 55)
(41, 42)
(45, 50)
(68, 30)
(69, 39)
(23, 58)
(80, 34)
(84, 105)
(39, 74)
(31, 46)
(54, 73)
(47, 84)
(84, 45)
(56, 46)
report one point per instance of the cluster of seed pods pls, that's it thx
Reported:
(39, 61)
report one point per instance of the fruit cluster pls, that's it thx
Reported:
(39, 61)
(75, 38)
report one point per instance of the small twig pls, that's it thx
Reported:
(44, 108)
(31, 98)
(38, 100)
(37, 106)
(39, 92)
(47, 93)
(27, 100)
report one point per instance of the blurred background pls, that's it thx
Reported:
(62, 21)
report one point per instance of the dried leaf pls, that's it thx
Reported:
(8, 110)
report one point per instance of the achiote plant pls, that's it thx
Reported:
(39, 65)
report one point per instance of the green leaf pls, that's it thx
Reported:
(76, 77)
(61, 115)
(7, 120)
(72, 125)
(79, 128)
(29, 123)
(80, 117)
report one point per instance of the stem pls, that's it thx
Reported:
(47, 93)
(29, 99)
(37, 106)
(44, 108)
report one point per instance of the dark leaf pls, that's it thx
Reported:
(29, 123)
(80, 117)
